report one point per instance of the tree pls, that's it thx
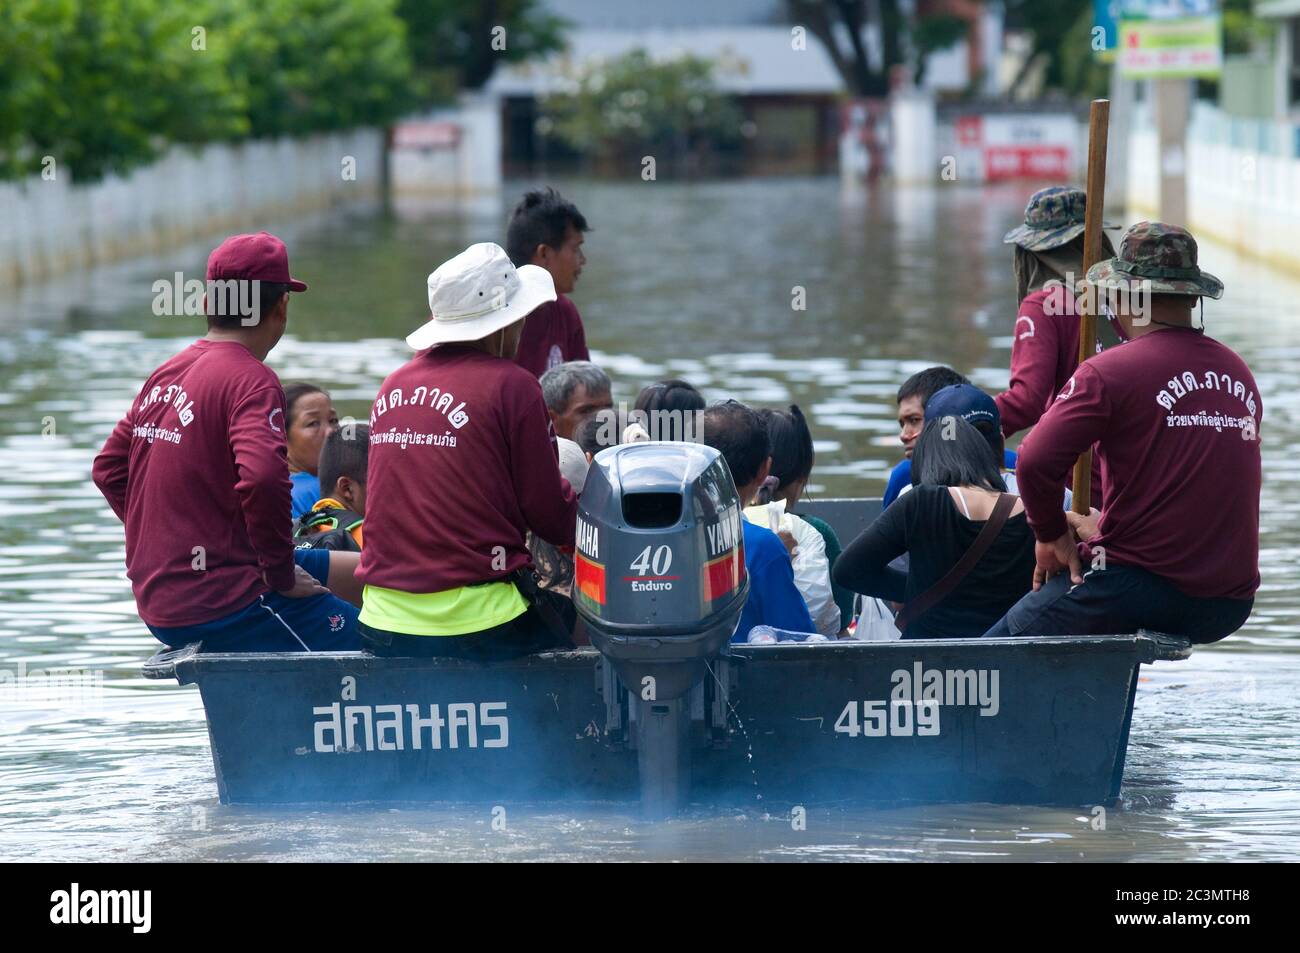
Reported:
(315, 65)
(103, 86)
(636, 104)
(1055, 28)
(106, 85)
(458, 44)
(841, 26)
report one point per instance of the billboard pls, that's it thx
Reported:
(1018, 146)
(1170, 39)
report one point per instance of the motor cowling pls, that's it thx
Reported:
(659, 572)
(660, 582)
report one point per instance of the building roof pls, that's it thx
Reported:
(1277, 8)
(752, 60)
(666, 14)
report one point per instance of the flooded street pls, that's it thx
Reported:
(693, 281)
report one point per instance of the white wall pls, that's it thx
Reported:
(472, 169)
(1243, 182)
(50, 226)
(914, 138)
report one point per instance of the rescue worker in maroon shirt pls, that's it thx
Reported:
(463, 464)
(546, 230)
(198, 472)
(1048, 263)
(1175, 417)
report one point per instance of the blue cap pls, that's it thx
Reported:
(970, 404)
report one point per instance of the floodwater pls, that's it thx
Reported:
(695, 281)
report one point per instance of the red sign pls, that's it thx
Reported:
(426, 135)
(1026, 162)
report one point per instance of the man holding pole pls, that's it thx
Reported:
(1175, 416)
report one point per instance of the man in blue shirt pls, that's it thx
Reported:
(912, 398)
(740, 434)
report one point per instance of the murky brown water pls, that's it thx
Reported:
(693, 281)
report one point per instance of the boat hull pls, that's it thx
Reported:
(1021, 721)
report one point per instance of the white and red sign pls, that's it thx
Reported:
(1015, 146)
(426, 136)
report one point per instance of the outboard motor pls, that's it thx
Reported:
(659, 580)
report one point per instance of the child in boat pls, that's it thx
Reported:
(196, 470)
(816, 545)
(462, 467)
(669, 410)
(335, 521)
(774, 599)
(936, 524)
(311, 417)
(593, 435)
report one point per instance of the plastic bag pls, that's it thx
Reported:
(875, 621)
(766, 635)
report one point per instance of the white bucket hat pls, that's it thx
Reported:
(478, 292)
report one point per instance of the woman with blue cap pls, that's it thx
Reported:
(970, 550)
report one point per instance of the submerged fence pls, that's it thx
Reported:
(49, 224)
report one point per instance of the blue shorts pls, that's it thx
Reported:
(276, 623)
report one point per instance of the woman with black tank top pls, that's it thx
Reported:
(957, 484)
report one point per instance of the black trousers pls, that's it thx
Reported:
(525, 634)
(1119, 600)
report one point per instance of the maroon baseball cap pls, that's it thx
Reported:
(260, 257)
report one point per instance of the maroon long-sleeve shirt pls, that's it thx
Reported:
(1176, 418)
(553, 334)
(1044, 353)
(197, 472)
(462, 464)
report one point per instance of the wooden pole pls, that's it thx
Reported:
(1098, 126)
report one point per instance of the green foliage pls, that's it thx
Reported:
(841, 24)
(1062, 31)
(1055, 29)
(105, 85)
(452, 41)
(1077, 68)
(1242, 30)
(934, 33)
(634, 102)
(311, 65)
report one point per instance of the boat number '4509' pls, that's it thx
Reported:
(914, 702)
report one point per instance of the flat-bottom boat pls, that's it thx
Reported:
(1026, 720)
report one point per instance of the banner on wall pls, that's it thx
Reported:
(1030, 146)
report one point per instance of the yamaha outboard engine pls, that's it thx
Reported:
(659, 579)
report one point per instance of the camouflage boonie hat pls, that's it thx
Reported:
(1164, 255)
(1053, 217)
